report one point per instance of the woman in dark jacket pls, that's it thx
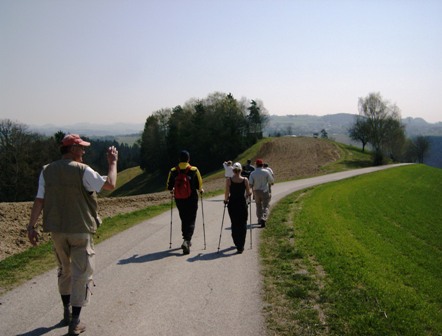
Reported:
(235, 197)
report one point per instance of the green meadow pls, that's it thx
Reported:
(361, 256)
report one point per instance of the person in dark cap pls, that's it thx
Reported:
(187, 207)
(67, 196)
(260, 181)
(247, 169)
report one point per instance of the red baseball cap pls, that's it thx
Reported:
(74, 139)
(259, 162)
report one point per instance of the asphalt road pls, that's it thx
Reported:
(143, 287)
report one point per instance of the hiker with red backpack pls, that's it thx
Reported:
(184, 182)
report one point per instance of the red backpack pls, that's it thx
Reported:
(182, 184)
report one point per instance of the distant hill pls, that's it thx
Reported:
(306, 125)
(90, 130)
(336, 126)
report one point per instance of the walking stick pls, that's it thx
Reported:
(222, 223)
(250, 203)
(204, 227)
(171, 210)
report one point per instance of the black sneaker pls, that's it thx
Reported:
(186, 246)
(240, 250)
(263, 223)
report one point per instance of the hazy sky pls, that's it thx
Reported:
(112, 61)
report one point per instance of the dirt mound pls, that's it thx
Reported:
(290, 158)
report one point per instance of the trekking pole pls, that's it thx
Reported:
(250, 203)
(171, 210)
(222, 223)
(204, 227)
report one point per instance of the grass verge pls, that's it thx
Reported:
(357, 257)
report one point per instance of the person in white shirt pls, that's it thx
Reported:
(67, 197)
(228, 170)
(260, 181)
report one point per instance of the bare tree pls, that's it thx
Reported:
(384, 127)
(417, 148)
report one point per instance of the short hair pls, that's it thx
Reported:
(184, 156)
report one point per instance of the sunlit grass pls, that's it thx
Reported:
(362, 256)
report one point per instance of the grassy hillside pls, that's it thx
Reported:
(134, 181)
(290, 158)
(358, 257)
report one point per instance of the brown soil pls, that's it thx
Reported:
(290, 158)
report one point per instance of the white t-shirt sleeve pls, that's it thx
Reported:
(93, 181)
(41, 186)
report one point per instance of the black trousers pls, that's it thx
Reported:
(238, 216)
(187, 209)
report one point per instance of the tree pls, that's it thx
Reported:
(256, 121)
(22, 155)
(153, 146)
(213, 130)
(384, 128)
(394, 144)
(360, 131)
(417, 148)
(422, 145)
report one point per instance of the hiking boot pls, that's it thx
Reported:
(66, 315)
(76, 327)
(186, 246)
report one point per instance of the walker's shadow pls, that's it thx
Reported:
(43, 330)
(136, 259)
(254, 226)
(213, 255)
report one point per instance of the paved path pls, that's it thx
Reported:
(145, 288)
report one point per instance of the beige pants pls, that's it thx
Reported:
(76, 263)
(262, 200)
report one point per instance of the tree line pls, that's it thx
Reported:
(213, 130)
(379, 125)
(23, 154)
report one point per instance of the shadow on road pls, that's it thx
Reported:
(137, 259)
(213, 255)
(43, 330)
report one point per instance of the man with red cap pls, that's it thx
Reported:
(260, 181)
(67, 196)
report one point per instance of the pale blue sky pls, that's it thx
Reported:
(112, 61)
